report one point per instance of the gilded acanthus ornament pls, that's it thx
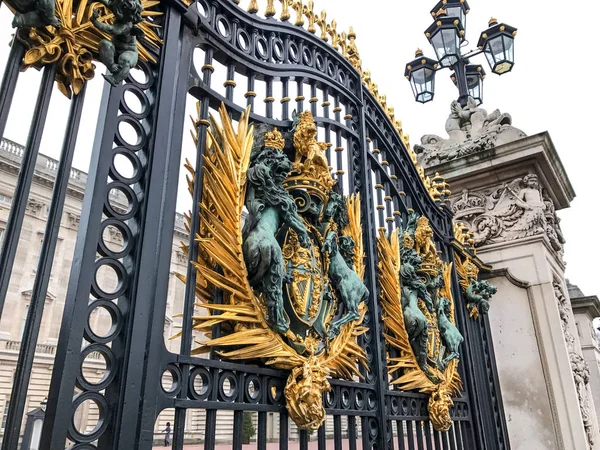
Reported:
(291, 277)
(418, 313)
(74, 42)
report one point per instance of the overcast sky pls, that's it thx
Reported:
(553, 87)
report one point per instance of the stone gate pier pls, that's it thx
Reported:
(507, 188)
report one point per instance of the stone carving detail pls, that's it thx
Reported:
(34, 206)
(73, 220)
(512, 211)
(470, 130)
(579, 367)
(115, 235)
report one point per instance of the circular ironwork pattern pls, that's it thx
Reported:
(120, 205)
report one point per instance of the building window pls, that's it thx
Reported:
(5, 414)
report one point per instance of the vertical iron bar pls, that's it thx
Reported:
(269, 98)
(313, 98)
(459, 437)
(337, 432)
(230, 82)
(352, 432)
(285, 99)
(322, 436)
(303, 440)
(40, 285)
(411, 435)
(325, 106)
(190, 285)
(262, 431)
(9, 83)
(251, 94)
(364, 424)
(284, 430)
(445, 440)
(428, 436)
(437, 439)
(419, 428)
(452, 437)
(210, 429)
(300, 95)
(238, 426)
(337, 109)
(401, 439)
(17, 212)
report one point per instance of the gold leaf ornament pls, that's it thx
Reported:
(404, 369)
(221, 265)
(74, 45)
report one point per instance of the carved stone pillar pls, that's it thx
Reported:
(506, 190)
(586, 309)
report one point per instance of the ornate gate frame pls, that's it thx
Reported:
(381, 168)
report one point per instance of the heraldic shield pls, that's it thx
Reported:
(291, 273)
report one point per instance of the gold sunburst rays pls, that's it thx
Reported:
(404, 369)
(75, 44)
(220, 265)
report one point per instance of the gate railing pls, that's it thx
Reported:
(287, 66)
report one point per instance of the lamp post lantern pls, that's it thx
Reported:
(447, 37)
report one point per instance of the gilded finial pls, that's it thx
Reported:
(285, 10)
(274, 139)
(299, 8)
(310, 15)
(493, 22)
(253, 7)
(270, 11)
(322, 22)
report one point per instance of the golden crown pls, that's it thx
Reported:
(274, 139)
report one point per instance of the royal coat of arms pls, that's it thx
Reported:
(416, 298)
(291, 274)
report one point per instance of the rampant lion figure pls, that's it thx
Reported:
(305, 141)
(34, 14)
(347, 282)
(424, 245)
(269, 207)
(120, 54)
(478, 294)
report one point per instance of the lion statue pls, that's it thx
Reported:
(305, 141)
(424, 245)
(478, 295)
(269, 207)
(439, 410)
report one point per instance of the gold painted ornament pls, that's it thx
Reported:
(435, 372)
(311, 346)
(74, 45)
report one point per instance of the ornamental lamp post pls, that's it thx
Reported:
(421, 74)
(447, 36)
(475, 76)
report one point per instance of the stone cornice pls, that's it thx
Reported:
(534, 153)
(589, 304)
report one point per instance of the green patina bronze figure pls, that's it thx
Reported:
(269, 207)
(451, 337)
(349, 286)
(120, 54)
(478, 295)
(34, 14)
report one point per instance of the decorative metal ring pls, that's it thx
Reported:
(110, 211)
(204, 374)
(137, 127)
(122, 278)
(175, 372)
(127, 239)
(135, 163)
(103, 418)
(111, 369)
(115, 315)
(125, 108)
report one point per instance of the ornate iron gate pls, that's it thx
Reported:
(370, 157)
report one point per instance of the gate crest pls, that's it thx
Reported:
(292, 274)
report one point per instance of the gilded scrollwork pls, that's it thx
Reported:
(419, 318)
(74, 42)
(292, 276)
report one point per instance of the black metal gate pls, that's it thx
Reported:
(262, 57)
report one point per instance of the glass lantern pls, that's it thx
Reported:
(445, 36)
(497, 42)
(475, 76)
(453, 8)
(421, 74)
